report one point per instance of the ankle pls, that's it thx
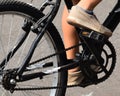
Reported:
(74, 70)
(74, 73)
(85, 10)
(89, 4)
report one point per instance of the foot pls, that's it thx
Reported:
(80, 18)
(76, 78)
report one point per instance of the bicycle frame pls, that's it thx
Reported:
(113, 17)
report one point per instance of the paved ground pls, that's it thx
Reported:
(111, 86)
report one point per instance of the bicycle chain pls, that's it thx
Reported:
(46, 88)
(83, 84)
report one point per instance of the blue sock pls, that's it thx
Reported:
(87, 11)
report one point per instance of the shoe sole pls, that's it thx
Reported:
(76, 22)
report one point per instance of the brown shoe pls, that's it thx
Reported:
(78, 17)
(75, 78)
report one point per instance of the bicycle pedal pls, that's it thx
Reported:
(94, 35)
(90, 77)
(97, 36)
(86, 83)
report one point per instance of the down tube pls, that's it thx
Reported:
(113, 19)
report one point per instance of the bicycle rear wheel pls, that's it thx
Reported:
(15, 43)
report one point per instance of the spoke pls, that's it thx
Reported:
(25, 94)
(5, 93)
(22, 52)
(2, 45)
(10, 32)
(9, 37)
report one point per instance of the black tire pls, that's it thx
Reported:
(12, 16)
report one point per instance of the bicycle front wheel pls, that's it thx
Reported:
(15, 42)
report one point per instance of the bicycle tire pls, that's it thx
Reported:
(19, 11)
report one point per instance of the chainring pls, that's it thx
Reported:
(105, 69)
(109, 56)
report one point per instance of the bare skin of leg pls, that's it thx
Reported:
(70, 37)
(69, 33)
(88, 4)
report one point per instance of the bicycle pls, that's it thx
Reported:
(51, 64)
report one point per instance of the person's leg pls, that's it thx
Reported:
(70, 37)
(89, 4)
(69, 32)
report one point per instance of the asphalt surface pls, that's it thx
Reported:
(111, 87)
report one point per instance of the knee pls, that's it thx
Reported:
(96, 1)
